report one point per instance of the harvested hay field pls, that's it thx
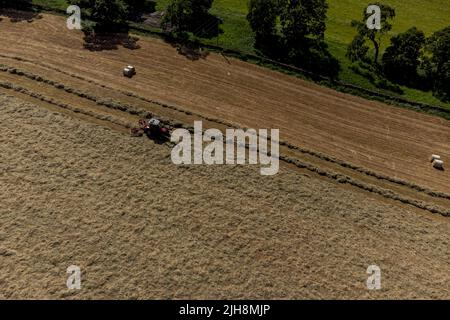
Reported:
(382, 139)
(356, 187)
(74, 192)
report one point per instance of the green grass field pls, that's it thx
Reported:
(429, 16)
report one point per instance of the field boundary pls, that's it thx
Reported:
(337, 85)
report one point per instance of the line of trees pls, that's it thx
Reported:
(411, 59)
(292, 31)
(184, 16)
(112, 15)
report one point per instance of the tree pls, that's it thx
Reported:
(186, 15)
(357, 50)
(298, 38)
(114, 12)
(402, 58)
(200, 9)
(303, 25)
(439, 45)
(17, 4)
(262, 17)
(177, 16)
(108, 15)
(303, 20)
(438, 49)
(442, 84)
(374, 35)
(135, 8)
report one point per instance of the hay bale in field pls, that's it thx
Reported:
(129, 71)
(438, 164)
(435, 157)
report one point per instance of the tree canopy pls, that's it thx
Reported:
(375, 36)
(438, 48)
(402, 58)
(293, 31)
(188, 15)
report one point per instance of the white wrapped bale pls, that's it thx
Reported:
(435, 157)
(127, 72)
(438, 164)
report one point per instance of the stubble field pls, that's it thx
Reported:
(355, 189)
(75, 193)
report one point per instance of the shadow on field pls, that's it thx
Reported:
(210, 28)
(191, 51)
(19, 16)
(109, 41)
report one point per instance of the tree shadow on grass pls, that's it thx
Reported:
(209, 28)
(109, 41)
(19, 15)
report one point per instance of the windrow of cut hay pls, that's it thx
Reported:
(52, 101)
(303, 165)
(111, 104)
(132, 110)
(367, 187)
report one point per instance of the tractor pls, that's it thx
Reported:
(152, 128)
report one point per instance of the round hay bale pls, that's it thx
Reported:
(435, 157)
(438, 164)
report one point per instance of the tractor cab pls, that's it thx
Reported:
(154, 123)
(152, 128)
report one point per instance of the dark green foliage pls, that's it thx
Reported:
(178, 16)
(108, 15)
(136, 8)
(112, 15)
(190, 16)
(262, 17)
(357, 50)
(439, 45)
(303, 19)
(438, 64)
(15, 4)
(402, 58)
(374, 36)
(300, 38)
(372, 73)
(442, 84)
